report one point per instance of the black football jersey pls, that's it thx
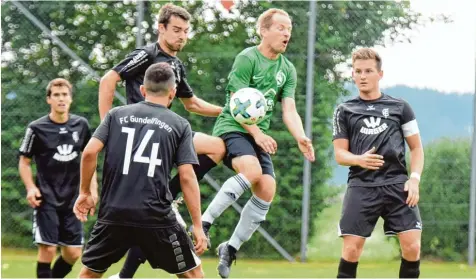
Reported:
(55, 149)
(382, 123)
(132, 70)
(143, 142)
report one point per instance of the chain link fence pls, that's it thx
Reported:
(102, 33)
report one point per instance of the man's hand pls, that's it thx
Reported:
(412, 186)
(200, 240)
(267, 143)
(84, 203)
(305, 145)
(370, 160)
(33, 197)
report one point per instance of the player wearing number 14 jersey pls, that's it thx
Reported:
(143, 142)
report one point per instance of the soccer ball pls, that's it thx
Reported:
(248, 106)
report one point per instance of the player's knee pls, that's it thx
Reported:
(46, 253)
(411, 250)
(265, 189)
(248, 166)
(72, 255)
(351, 252)
(219, 150)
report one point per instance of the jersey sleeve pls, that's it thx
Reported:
(339, 124)
(102, 132)
(135, 64)
(290, 84)
(186, 152)
(240, 74)
(183, 88)
(86, 133)
(29, 143)
(408, 121)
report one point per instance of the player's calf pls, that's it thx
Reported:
(410, 244)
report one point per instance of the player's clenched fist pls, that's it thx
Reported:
(370, 160)
(33, 197)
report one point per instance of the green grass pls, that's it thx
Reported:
(21, 264)
(378, 260)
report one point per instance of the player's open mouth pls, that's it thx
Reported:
(285, 43)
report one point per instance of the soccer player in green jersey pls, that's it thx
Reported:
(265, 68)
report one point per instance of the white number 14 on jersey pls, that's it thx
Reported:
(153, 161)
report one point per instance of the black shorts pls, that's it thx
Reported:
(364, 205)
(52, 226)
(170, 249)
(240, 144)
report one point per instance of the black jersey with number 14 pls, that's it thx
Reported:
(143, 142)
(382, 123)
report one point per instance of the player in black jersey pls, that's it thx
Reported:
(173, 30)
(369, 136)
(55, 142)
(143, 142)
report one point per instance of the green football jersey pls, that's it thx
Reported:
(276, 79)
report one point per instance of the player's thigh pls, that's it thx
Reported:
(210, 145)
(361, 209)
(241, 156)
(107, 244)
(70, 231)
(398, 216)
(170, 249)
(45, 225)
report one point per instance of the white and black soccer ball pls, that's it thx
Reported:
(248, 106)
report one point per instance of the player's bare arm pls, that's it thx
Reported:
(368, 160)
(107, 86)
(32, 192)
(200, 106)
(293, 122)
(191, 195)
(416, 166)
(86, 203)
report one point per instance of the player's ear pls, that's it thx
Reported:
(380, 73)
(48, 100)
(161, 28)
(143, 91)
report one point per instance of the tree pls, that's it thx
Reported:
(444, 198)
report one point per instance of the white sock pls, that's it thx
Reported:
(253, 214)
(231, 190)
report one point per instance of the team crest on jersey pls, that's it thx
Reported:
(280, 78)
(385, 112)
(75, 136)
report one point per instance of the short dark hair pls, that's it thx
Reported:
(58, 82)
(169, 10)
(159, 78)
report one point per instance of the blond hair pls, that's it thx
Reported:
(58, 82)
(265, 20)
(365, 54)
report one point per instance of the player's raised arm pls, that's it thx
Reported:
(107, 86)
(191, 102)
(199, 106)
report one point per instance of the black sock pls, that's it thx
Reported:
(61, 268)
(134, 259)
(347, 269)
(206, 164)
(206, 226)
(409, 269)
(43, 270)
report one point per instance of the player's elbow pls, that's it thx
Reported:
(187, 176)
